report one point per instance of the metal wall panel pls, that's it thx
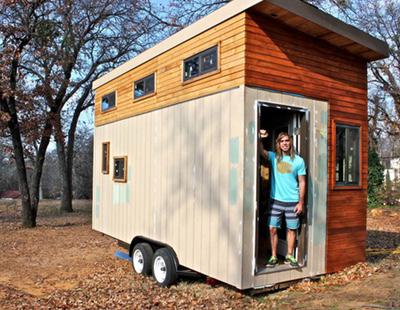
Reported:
(185, 181)
(316, 186)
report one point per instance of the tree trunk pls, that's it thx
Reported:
(29, 194)
(66, 177)
(70, 147)
(66, 154)
(8, 105)
(28, 213)
(66, 195)
(29, 210)
(38, 165)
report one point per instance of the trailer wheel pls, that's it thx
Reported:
(142, 256)
(164, 267)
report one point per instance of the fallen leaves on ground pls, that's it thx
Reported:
(64, 264)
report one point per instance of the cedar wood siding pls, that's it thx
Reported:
(283, 59)
(230, 35)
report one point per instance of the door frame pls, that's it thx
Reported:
(317, 186)
(302, 239)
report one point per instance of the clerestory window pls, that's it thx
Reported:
(201, 63)
(108, 102)
(144, 87)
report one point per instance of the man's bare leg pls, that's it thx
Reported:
(273, 232)
(291, 239)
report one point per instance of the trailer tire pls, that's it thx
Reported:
(164, 267)
(142, 257)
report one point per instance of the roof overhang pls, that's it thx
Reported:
(309, 19)
(294, 13)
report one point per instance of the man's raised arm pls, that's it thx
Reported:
(263, 134)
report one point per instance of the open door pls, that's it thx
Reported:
(276, 119)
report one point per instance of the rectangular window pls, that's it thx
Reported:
(143, 87)
(201, 63)
(120, 169)
(105, 164)
(108, 102)
(347, 155)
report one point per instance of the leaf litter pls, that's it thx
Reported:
(60, 266)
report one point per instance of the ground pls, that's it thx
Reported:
(64, 264)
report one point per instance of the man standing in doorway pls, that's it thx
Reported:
(288, 185)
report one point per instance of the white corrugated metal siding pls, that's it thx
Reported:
(185, 182)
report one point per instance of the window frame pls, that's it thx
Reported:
(144, 80)
(202, 74)
(107, 170)
(115, 102)
(125, 161)
(351, 124)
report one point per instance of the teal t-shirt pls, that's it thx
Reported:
(284, 184)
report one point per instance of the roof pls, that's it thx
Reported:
(294, 13)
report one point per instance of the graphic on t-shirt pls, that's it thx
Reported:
(284, 167)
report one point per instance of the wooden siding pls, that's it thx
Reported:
(230, 36)
(281, 58)
(310, 20)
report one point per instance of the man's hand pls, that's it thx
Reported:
(302, 188)
(263, 133)
(299, 208)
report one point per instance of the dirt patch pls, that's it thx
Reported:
(63, 264)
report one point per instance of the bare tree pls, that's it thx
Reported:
(51, 51)
(19, 25)
(381, 19)
(175, 15)
(91, 37)
(385, 23)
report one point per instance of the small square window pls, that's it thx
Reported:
(347, 155)
(143, 87)
(108, 102)
(105, 164)
(201, 63)
(120, 168)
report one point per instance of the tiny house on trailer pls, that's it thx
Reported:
(177, 173)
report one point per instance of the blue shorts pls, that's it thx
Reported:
(278, 208)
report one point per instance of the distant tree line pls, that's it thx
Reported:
(50, 187)
(81, 172)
